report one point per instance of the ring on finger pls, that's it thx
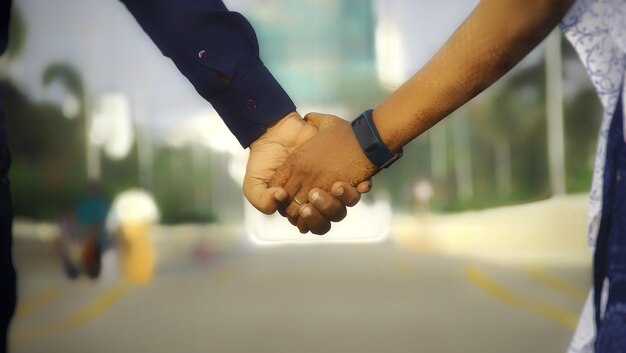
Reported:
(298, 202)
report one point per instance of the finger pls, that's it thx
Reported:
(313, 118)
(290, 217)
(281, 176)
(302, 226)
(364, 186)
(264, 199)
(314, 220)
(330, 207)
(297, 199)
(292, 220)
(345, 193)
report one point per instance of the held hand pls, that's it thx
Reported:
(332, 154)
(269, 152)
(331, 206)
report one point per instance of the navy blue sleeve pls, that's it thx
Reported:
(5, 14)
(217, 50)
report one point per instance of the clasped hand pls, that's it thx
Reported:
(316, 162)
(310, 171)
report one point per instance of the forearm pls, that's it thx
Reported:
(495, 37)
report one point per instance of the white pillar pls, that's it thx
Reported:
(554, 107)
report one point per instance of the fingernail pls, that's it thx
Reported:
(280, 196)
(339, 191)
(306, 212)
(315, 196)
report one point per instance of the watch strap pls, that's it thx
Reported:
(371, 143)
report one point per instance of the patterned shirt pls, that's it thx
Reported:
(597, 31)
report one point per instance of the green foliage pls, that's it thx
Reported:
(582, 123)
(48, 170)
(17, 33)
(176, 187)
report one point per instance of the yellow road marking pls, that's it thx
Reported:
(557, 284)
(44, 297)
(79, 317)
(558, 315)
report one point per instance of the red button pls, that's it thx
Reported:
(251, 104)
(202, 54)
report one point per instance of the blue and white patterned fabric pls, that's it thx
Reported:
(597, 31)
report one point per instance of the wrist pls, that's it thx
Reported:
(291, 119)
(391, 140)
(280, 129)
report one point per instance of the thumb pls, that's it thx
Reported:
(321, 121)
(263, 198)
(264, 195)
(314, 119)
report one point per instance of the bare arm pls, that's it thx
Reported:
(495, 37)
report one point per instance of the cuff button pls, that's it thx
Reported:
(251, 104)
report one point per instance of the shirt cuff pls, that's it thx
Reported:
(253, 101)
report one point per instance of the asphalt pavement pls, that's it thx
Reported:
(213, 296)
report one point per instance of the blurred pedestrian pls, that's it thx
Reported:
(91, 213)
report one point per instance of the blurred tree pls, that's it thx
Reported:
(506, 119)
(39, 133)
(47, 172)
(175, 179)
(582, 117)
(72, 80)
(17, 30)
(582, 123)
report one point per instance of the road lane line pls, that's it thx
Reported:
(558, 315)
(557, 284)
(93, 309)
(37, 301)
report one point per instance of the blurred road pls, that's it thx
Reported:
(340, 298)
